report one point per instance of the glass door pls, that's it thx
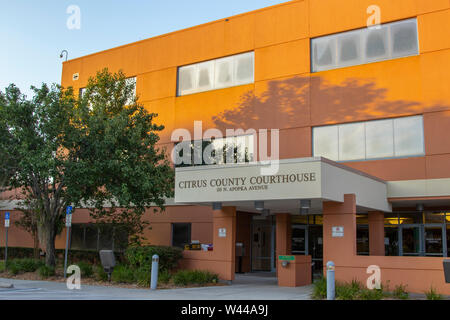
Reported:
(434, 244)
(315, 247)
(411, 240)
(262, 245)
(299, 240)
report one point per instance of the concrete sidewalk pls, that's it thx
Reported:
(245, 287)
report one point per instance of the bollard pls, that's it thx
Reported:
(331, 290)
(154, 276)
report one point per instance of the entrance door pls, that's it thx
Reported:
(315, 248)
(263, 245)
(411, 240)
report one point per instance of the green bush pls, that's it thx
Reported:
(2, 266)
(86, 269)
(348, 291)
(375, 294)
(164, 276)
(141, 257)
(433, 294)
(142, 277)
(400, 292)
(13, 267)
(320, 289)
(100, 273)
(46, 271)
(186, 277)
(123, 274)
(28, 265)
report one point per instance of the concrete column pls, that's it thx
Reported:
(225, 247)
(340, 250)
(376, 233)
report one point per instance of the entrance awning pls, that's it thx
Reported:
(315, 179)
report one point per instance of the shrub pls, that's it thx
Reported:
(320, 289)
(375, 294)
(433, 294)
(123, 274)
(142, 277)
(46, 271)
(86, 269)
(400, 292)
(164, 276)
(13, 267)
(186, 277)
(348, 291)
(2, 266)
(141, 257)
(28, 265)
(100, 273)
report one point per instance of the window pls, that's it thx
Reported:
(181, 234)
(417, 234)
(400, 137)
(131, 81)
(362, 235)
(98, 237)
(81, 92)
(216, 74)
(387, 41)
(235, 149)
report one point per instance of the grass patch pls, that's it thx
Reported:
(400, 292)
(346, 291)
(432, 294)
(188, 277)
(123, 274)
(45, 271)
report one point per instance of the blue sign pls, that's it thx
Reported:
(69, 210)
(6, 215)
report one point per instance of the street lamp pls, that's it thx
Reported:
(62, 54)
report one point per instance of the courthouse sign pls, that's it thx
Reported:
(307, 178)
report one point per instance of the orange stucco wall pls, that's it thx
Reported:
(418, 273)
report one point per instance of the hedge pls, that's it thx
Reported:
(141, 257)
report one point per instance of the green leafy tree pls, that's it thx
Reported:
(97, 151)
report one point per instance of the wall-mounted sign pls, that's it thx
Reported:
(222, 232)
(6, 219)
(75, 77)
(337, 232)
(286, 258)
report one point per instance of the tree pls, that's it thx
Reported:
(97, 151)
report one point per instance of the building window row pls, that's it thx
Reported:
(98, 237)
(378, 139)
(216, 74)
(366, 45)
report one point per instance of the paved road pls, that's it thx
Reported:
(243, 288)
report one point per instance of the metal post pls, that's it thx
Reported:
(65, 254)
(154, 275)
(6, 249)
(331, 290)
(68, 225)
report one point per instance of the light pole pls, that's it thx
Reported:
(62, 54)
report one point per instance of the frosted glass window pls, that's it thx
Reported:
(205, 79)
(349, 46)
(404, 38)
(351, 141)
(132, 81)
(326, 142)
(387, 41)
(224, 73)
(216, 74)
(324, 55)
(187, 79)
(376, 43)
(370, 140)
(244, 66)
(408, 136)
(379, 139)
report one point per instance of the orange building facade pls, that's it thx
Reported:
(365, 112)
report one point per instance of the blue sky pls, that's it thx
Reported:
(34, 32)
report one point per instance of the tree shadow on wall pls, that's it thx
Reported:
(286, 104)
